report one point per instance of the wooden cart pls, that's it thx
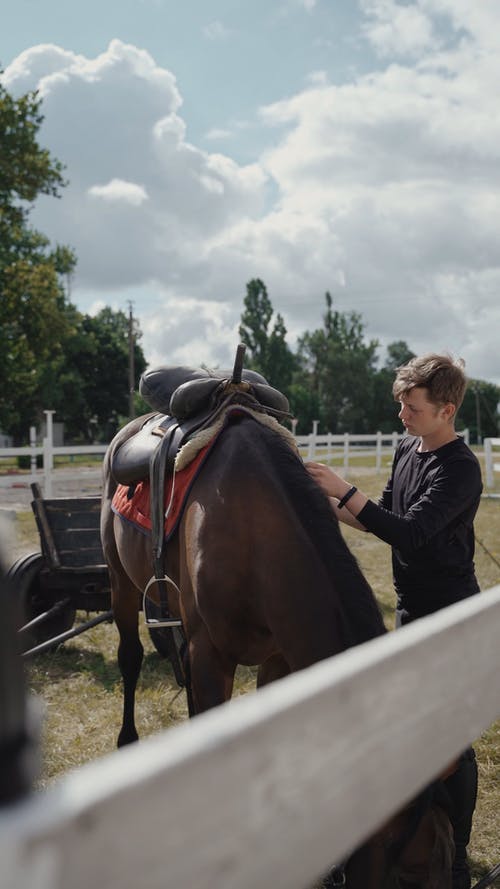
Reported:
(67, 575)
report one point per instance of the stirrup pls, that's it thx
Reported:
(158, 622)
(162, 622)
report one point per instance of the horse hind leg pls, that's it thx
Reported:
(130, 655)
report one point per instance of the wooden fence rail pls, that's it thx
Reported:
(489, 459)
(326, 446)
(271, 788)
(319, 446)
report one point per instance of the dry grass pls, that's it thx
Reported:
(81, 690)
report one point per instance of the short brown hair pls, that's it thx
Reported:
(442, 376)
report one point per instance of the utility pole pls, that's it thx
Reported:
(131, 367)
(478, 416)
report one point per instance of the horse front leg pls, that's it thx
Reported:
(275, 667)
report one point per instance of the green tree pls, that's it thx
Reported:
(340, 366)
(33, 327)
(479, 412)
(26, 171)
(268, 351)
(304, 404)
(382, 411)
(398, 354)
(255, 320)
(91, 392)
(33, 319)
(53, 357)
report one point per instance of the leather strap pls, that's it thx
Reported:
(350, 493)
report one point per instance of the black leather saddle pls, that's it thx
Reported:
(187, 400)
(184, 392)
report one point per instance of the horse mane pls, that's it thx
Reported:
(362, 616)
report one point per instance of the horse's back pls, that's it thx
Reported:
(257, 579)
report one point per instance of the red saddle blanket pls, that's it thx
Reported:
(136, 508)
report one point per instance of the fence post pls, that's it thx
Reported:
(312, 440)
(488, 459)
(48, 454)
(329, 442)
(33, 455)
(346, 453)
(378, 455)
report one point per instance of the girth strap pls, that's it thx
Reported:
(157, 475)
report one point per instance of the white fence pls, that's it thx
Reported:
(272, 788)
(489, 459)
(343, 448)
(313, 446)
(327, 446)
(48, 451)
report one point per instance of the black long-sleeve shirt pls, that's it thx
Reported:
(426, 514)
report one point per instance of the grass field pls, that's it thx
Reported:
(81, 689)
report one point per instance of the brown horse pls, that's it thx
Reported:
(262, 577)
(263, 574)
(413, 849)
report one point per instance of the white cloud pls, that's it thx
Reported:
(398, 29)
(216, 31)
(118, 190)
(384, 190)
(318, 77)
(218, 133)
(141, 200)
(191, 331)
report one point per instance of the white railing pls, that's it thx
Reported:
(315, 446)
(48, 451)
(346, 446)
(272, 788)
(490, 464)
(327, 446)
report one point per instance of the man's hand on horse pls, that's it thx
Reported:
(332, 484)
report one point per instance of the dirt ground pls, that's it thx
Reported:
(15, 498)
(82, 481)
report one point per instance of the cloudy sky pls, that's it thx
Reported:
(342, 145)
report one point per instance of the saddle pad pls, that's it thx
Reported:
(136, 509)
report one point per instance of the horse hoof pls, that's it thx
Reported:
(126, 738)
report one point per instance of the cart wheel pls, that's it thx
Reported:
(25, 575)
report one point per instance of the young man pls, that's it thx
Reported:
(426, 514)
